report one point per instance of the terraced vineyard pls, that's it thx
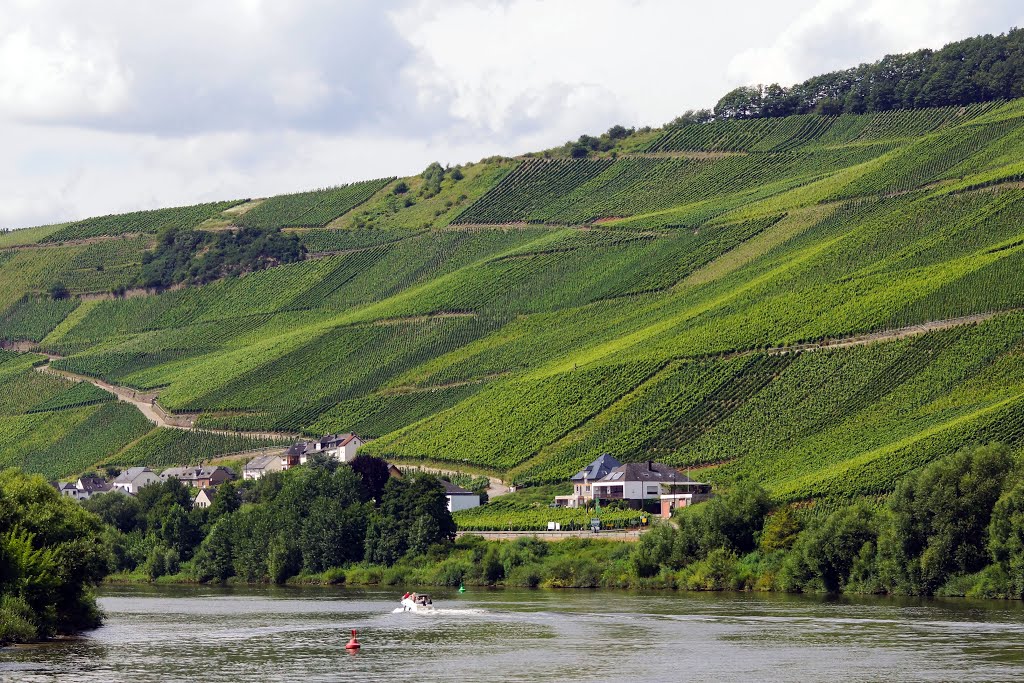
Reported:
(310, 209)
(522, 316)
(147, 222)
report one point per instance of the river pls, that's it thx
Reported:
(156, 633)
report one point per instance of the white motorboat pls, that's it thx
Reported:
(416, 602)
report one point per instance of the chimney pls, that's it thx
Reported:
(650, 466)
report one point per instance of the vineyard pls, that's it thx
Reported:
(529, 510)
(34, 316)
(145, 222)
(779, 134)
(170, 447)
(663, 300)
(310, 209)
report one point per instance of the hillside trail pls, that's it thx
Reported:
(892, 334)
(145, 402)
(496, 488)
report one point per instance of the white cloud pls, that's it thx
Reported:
(114, 105)
(836, 34)
(50, 76)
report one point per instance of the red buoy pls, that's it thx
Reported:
(353, 644)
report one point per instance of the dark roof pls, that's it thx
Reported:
(337, 439)
(94, 484)
(300, 448)
(646, 471)
(451, 489)
(604, 464)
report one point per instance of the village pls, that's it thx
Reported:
(205, 479)
(650, 487)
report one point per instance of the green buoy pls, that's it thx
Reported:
(462, 588)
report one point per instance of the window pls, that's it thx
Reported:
(653, 490)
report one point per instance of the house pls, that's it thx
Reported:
(637, 482)
(179, 473)
(92, 486)
(199, 477)
(341, 447)
(297, 454)
(584, 479)
(394, 472)
(257, 467)
(68, 490)
(134, 478)
(459, 498)
(204, 498)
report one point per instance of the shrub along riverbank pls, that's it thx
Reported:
(954, 528)
(51, 555)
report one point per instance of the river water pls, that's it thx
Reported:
(297, 634)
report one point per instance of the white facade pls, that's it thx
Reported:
(71, 491)
(462, 501)
(631, 490)
(134, 478)
(343, 451)
(204, 498)
(260, 466)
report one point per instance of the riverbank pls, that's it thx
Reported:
(593, 564)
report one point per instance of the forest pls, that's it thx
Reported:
(980, 69)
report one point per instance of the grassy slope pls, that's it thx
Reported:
(532, 345)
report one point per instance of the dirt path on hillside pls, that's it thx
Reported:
(145, 402)
(885, 335)
(682, 155)
(497, 486)
(75, 243)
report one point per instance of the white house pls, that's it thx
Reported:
(459, 498)
(341, 447)
(639, 481)
(204, 498)
(583, 480)
(257, 467)
(68, 490)
(134, 478)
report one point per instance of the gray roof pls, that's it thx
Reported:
(261, 462)
(604, 464)
(646, 471)
(175, 471)
(131, 474)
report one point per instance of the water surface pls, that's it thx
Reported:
(297, 634)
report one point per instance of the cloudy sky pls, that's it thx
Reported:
(114, 105)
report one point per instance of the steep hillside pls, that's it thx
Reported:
(824, 303)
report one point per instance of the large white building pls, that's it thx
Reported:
(641, 481)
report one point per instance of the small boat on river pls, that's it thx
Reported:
(416, 602)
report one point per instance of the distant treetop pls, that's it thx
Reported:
(979, 69)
